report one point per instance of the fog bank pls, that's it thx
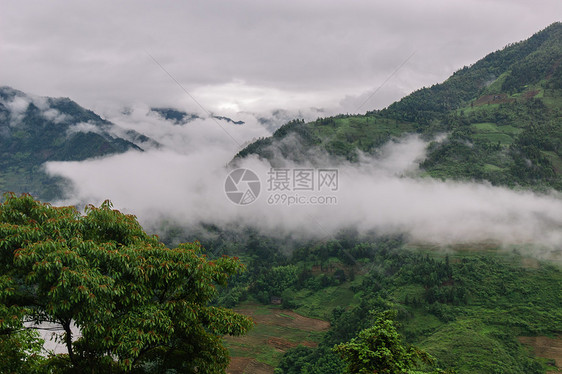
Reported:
(184, 182)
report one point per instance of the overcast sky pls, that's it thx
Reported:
(252, 55)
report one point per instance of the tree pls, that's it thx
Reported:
(379, 349)
(20, 350)
(275, 281)
(138, 305)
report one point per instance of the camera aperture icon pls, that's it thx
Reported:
(242, 186)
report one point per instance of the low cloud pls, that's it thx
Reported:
(18, 103)
(184, 182)
(55, 116)
(84, 127)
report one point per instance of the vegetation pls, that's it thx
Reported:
(143, 307)
(175, 116)
(38, 135)
(125, 301)
(501, 116)
(378, 349)
(465, 306)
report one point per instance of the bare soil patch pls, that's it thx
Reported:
(248, 365)
(256, 367)
(493, 99)
(238, 365)
(530, 263)
(287, 318)
(270, 317)
(530, 94)
(283, 345)
(545, 347)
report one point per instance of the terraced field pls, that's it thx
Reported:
(276, 330)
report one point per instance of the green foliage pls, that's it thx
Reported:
(290, 141)
(511, 144)
(29, 140)
(20, 350)
(379, 349)
(470, 347)
(138, 305)
(502, 120)
(502, 117)
(343, 135)
(305, 360)
(276, 281)
(523, 63)
(437, 297)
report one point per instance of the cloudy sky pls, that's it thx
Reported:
(252, 55)
(247, 59)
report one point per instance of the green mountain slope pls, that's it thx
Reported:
(34, 130)
(472, 308)
(469, 305)
(502, 116)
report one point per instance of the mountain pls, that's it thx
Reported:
(179, 117)
(34, 130)
(476, 307)
(230, 120)
(502, 116)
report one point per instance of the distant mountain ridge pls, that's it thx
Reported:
(503, 117)
(34, 130)
(179, 117)
(510, 70)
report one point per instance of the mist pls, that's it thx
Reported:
(183, 181)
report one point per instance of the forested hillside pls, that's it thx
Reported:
(34, 130)
(471, 307)
(468, 307)
(502, 117)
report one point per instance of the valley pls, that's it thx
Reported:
(447, 231)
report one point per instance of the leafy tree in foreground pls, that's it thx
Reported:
(379, 349)
(20, 351)
(138, 305)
